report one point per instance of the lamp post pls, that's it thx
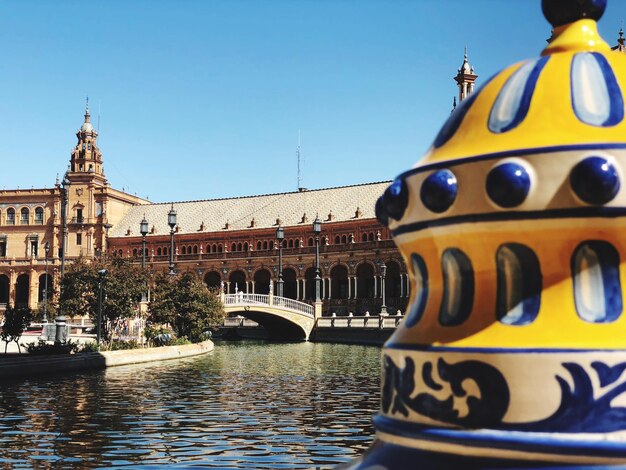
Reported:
(317, 228)
(143, 229)
(64, 189)
(280, 236)
(46, 249)
(107, 227)
(171, 221)
(383, 272)
(101, 275)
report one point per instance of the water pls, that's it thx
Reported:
(244, 405)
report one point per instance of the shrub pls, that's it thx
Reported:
(43, 348)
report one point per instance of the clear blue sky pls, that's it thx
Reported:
(202, 99)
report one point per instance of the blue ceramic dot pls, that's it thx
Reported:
(439, 191)
(381, 214)
(508, 184)
(395, 199)
(595, 180)
(560, 12)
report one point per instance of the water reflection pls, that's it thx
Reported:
(245, 405)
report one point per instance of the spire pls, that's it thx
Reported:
(87, 126)
(621, 42)
(465, 78)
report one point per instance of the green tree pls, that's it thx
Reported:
(184, 302)
(122, 289)
(16, 320)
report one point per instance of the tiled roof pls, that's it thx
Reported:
(239, 212)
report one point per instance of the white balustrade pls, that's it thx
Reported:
(241, 299)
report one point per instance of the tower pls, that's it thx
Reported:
(465, 78)
(86, 157)
(621, 46)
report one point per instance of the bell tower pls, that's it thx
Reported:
(86, 157)
(465, 79)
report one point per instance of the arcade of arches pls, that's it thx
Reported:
(25, 289)
(343, 288)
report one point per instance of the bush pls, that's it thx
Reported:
(89, 347)
(123, 345)
(43, 348)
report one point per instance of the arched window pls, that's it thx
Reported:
(233, 247)
(519, 284)
(370, 237)
(259, 246)
(311, 241)
(212, 279)
(245, 246)
(24, 216)
(393, 280)
(364, 237)
(344, 239)
(324, 241)
(165, 251)
(365, 281)
(39, 215)
(159, 251)
(290, 244)
(195, 249)
(135, 252)
(271, 244)
(458, 287)
(337, 240)
(237, 280)
(220, 248)
(597, 287)
(420, 276)
(284, 243)
(339, 282)
(10, 216)
(239, 247)
(262, 279)
(265, 245)
(297, 243)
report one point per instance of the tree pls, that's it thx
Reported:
(186, 304)
(122, 289)
(16, 320)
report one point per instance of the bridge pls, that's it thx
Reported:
(283, 318)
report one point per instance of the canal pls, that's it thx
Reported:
(244, 405)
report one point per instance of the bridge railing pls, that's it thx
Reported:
(373, 321)
(269, 300)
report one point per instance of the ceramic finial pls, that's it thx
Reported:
(560, 12)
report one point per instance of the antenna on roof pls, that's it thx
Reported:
(300, 163)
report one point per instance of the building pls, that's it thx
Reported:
(31, 221)
(230, 242)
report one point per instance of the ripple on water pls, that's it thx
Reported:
(245, 405)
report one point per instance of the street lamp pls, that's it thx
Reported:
(46, 249)
(101, 275)
(317, 228)
(64, 189)
(383, 272)
(107, 227)
(280, 236)
(143, 229)
(171, 221)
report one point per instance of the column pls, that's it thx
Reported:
(12, 280)
(349, 287)
(253, 287)
(376, 289)
(401, 285)
(323, 288)
(298, 289)
(33, 289)
(330, 287)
